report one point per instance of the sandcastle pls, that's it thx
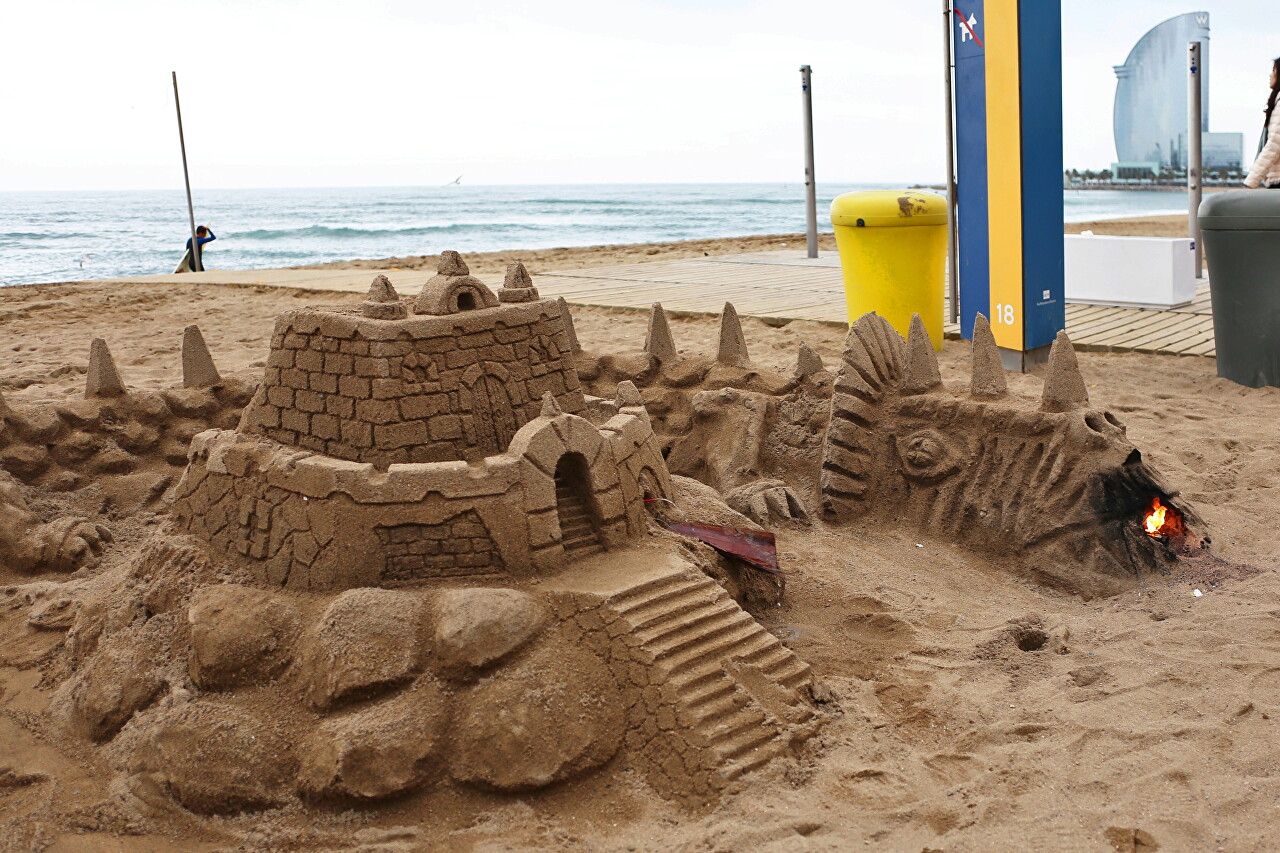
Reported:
(390, 444)
(422, 559)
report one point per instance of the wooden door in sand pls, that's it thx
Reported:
(579, 530)
(492, 415)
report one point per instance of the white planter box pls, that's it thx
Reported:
(1143, 272)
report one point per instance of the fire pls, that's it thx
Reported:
(1162, 520)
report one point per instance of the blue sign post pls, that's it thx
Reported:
(1008, 97)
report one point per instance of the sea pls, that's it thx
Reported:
(74, 236)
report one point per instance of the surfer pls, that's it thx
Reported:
(203, 236)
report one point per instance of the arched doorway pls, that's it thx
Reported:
(492, 414)
(579, 525)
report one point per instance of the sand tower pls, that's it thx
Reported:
(395, 442)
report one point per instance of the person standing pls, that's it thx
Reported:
(1266, 168)
(195, 264)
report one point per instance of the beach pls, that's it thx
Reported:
(1146, 720)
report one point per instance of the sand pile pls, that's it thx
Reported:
(155, 688)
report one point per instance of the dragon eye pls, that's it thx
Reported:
(924, 455)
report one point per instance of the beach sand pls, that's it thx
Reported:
(1147, 721)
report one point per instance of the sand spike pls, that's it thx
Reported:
(382, 290)
(517, 276)
(517, 285)
(808, 362)
(657, 340)
(451, 263)
(628, 395)
(921, 372)
(733, 345)
(988, 379)
(569, 331)
(198, 369)
(550, 408)
(102, 379)
(1063, 385)
(383, 303)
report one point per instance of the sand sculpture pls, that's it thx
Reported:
(423, 559)
(27, 545)
(1058, 484)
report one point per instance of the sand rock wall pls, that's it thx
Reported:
(64, 446)
(306, 521)
(424, 388)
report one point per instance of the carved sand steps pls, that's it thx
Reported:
(736, 686)
(577, 530)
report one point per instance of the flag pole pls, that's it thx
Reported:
(953, 283)
(196, 265)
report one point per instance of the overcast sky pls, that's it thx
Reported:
(412, 92)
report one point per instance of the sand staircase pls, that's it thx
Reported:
(578, 531)
(737, 686)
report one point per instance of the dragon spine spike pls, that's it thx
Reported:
(884, 347)
(987, 378)
(102, 379)
(733, 345)
(198, 369)
(921, 374)
(569, 331)
(1064, 388)
(657, 340)
(550, 408)
(808, 362)
(628, 395)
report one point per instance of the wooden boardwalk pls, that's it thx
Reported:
(781, 285)
(785, 286)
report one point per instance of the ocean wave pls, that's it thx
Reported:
(36, 235)
(347, 232)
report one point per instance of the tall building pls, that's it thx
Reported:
(1150, 114)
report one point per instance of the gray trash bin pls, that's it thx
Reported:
(1241, 231)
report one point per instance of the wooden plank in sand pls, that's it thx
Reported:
(1193, 331)
(1150, 328)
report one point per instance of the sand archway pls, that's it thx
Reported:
(575, 509)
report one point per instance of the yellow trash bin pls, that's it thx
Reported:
(893, 251)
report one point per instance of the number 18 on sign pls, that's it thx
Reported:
(1008, 97)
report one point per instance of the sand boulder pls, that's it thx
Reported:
(366, 642)
(551, 717)
(477, 627)
(239, 635)
(115, 684)
(215, 759)
(388, 749)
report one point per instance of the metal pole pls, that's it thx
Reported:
(196, 265)
(810, 183)
(1195, 165)
(953, 277)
